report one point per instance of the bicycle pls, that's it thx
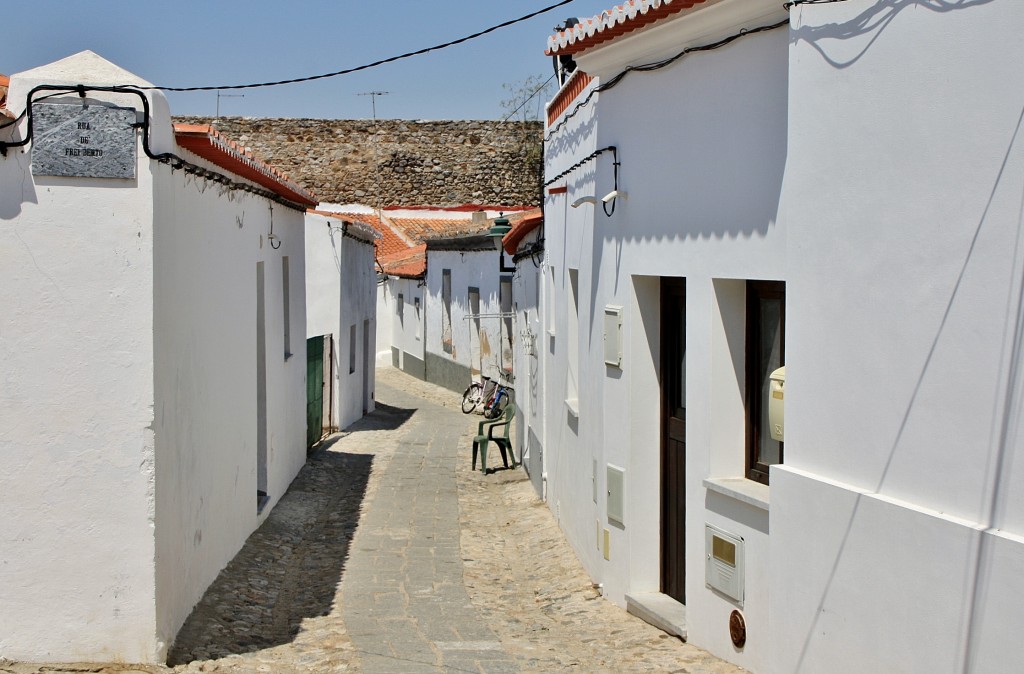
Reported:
(477, 393)
(495, 405)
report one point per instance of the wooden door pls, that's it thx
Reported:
(673, 443)
(314, 389)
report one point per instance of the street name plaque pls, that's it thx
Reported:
(91, 141)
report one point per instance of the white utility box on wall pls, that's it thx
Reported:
(723, 570)
(613, 335)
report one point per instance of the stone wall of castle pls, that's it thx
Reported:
(421, 163)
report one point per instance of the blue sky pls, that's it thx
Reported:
(221, 42)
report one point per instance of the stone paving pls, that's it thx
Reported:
(388, 554)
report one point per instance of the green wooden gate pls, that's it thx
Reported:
(314, 390)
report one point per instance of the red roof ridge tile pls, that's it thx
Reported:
(5, 82)
(529, 222)
(611, 23)
(205, 141)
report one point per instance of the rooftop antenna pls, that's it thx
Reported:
(220, 96)
(376, 164)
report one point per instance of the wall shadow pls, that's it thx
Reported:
(383, 418)
(289, 569)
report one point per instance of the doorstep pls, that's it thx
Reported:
(660, 610)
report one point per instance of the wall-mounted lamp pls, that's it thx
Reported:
(614, 194)
(584, 200)
(498, 230)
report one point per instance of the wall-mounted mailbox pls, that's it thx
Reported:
(616, 480)
(613, 336)
(777, 404)
(723, 570)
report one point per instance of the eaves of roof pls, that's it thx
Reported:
(353, 225)
(204, 141)
(409, 263)
(421, 229)
(466, 242)
(611, 23)
(510, 242)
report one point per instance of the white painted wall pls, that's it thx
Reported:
(128, 338)
(408, 324)
(703, 173)
(206, 362)
(384, 312)
(341, 291)
(358, 307)
(478, 269)
(528, 342)
(76, 397)
(905, 267)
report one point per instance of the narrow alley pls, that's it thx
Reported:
(389, 554)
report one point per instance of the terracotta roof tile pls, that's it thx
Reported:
(408, 263)
(5, 83)
(525, 224)
(206, 142)
(419, 229)
(390, 242)
(612, 23)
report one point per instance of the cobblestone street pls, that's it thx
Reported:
(388, 554)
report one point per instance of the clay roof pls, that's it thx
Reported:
(612, 23)
(206, 142)
(526, 224)
(359, 225)
(408, 263)
(5, 82)
(404, 233)
(419, 229)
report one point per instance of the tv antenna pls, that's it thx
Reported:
(220, 96)
(376, 163)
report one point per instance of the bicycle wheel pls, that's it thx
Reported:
(471, 398)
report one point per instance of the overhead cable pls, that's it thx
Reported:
(657, 65)
(367, 66)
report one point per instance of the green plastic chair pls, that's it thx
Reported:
(482, 439)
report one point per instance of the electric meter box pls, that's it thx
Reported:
(777, 404)
(723, 569)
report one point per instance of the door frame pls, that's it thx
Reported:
(672, 575)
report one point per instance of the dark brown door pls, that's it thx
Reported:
(673, 442)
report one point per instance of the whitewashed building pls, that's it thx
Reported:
(404, 275)
(341, 301)
(152, 337)
(524, 243)
(469, 311)
(449, 298)
(834, 190)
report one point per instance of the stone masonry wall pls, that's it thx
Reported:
(422, 163)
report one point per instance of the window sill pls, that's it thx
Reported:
(287, 356)
(747, 491)
(573, 405)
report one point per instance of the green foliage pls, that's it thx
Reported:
(525, 104)
(526, 98)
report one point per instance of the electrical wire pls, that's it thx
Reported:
(25, 111)
(527, 100)
(392, 59)
(658, 65)
(793, 3)
(169, 158)
(581, 162)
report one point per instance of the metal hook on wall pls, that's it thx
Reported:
(270, 237)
